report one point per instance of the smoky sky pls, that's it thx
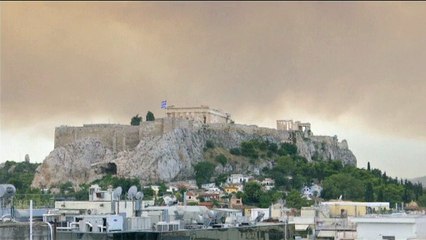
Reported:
(361, 60)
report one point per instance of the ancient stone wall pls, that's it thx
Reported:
(114, 136)
(119, 137)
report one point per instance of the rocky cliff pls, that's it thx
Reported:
(171, 155)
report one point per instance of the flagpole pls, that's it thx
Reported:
(164, 106)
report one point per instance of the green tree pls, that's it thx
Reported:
(66, 187)
(136, 120)
(221, 159)
(422, 200)
(221, 179)
(393, 193)
(239, 194)
(369, 193)
(19, 174)
(162, 189)
(345, 185)
(287, 149)
(83, 193)
(380, 197)
(150, 116)
(124, 183)
(368, 166)
(235, 151)
(252, 193)
(295, 200)
(273, 147)
(209, 144)
(203, 172)
(148, 193)
(248, 150)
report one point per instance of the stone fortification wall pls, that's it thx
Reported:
(113, 136)
(331, 140)
(119, 137)
(252, 130)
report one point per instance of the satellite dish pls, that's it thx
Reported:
(7, 190)
(139, 196)
(179, 213)
(259, 216)
(116, 194)
(200, 219)
(211, 214)
(131, 194)
(169, 200)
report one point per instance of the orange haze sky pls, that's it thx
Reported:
(354, 69)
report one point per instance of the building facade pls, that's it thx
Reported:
(391, 227)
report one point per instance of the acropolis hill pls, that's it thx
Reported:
(167, 148)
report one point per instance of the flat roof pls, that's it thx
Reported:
(350, 203)
(389, 218)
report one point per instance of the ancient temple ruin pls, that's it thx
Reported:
(203, 114)
(289, 125)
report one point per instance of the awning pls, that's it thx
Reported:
(326, 234)
(301, 227)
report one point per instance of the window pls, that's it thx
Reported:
(388, 237)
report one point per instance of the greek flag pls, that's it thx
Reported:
(164, 104)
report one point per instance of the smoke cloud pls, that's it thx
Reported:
(334, 60)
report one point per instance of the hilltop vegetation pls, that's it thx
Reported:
(20, 174)
(422, 180)
(292, 172)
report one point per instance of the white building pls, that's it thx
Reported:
(97, 194)
(237, 179)
(99, 207)
(312, 191)
(392, 226)
(207, 186)
(255, 212)
(172, 189)
(268, 184)
(100, 202)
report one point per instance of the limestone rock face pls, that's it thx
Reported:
(71, 163)
(162, 158)
(323, 148)
(170, 156)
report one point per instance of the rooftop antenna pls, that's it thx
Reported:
(131, 195)
(179, 214)
(138, 197)
(7, 192)
(259, 217)
(116, 195)
(212, 215)
(168, 201)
